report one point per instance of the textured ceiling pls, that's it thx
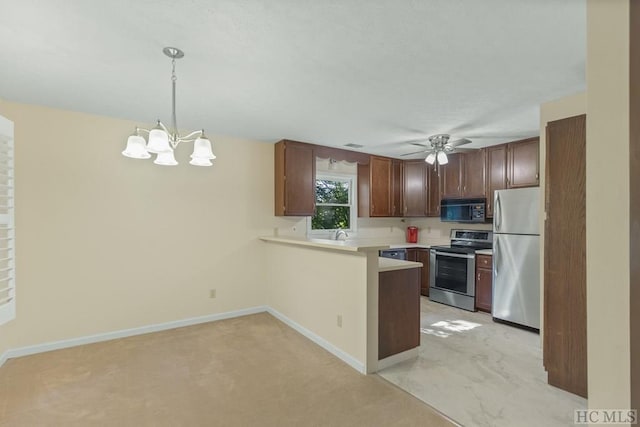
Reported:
(370, 72)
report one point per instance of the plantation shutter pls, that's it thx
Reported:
(7, 232)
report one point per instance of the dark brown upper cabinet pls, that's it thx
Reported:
(473, 164)
(512, 165)
(463, 176)
(397, 182)
(450, 176)
(496, 173)
(295, 171)
(434, 190)
(523, 163)
(415, 188)
(375, 187)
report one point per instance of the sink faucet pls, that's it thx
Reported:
(339, 234)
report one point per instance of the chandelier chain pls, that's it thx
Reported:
(174, 121)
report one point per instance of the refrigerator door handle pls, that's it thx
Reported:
(498, 209)
(496, 254)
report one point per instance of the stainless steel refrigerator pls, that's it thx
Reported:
(516, 256)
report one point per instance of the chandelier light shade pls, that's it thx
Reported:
(165, 159)
(163, 141)
(136, 148)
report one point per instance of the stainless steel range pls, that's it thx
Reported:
(452, 269)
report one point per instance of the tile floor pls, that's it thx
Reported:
(482, 373)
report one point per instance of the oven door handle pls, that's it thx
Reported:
(454, 255)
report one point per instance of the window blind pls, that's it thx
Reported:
(7, 230)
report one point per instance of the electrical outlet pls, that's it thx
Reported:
(212, 293)
(339, 320)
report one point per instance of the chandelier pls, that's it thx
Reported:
(163, 141)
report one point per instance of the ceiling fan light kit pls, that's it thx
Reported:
(439, 146)
(163, 141)
(442, 158)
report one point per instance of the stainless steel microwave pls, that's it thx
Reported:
(463, 210)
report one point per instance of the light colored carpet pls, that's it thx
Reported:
(248, 371)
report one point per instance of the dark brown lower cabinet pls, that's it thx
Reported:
(421, 255)
(398, 311)
(565, 294)
(484, 282)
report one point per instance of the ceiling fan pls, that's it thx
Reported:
(438, 148)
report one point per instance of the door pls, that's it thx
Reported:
(516, 279)
(415, 188)
(423, 256)
(433, 191)
(524, 163)
(454, 272)
(496, 173)
(299, 182)
(380, 186)
(516, 211)
(396, 187)
(565, 307)
(450, 176)
(473, 174)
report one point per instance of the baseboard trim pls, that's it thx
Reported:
(397, 358)
(73, 342)
(4, 357)
(347, 358)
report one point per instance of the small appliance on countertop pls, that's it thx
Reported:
(412, 234)
(452, 278)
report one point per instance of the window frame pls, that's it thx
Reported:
(353, 204)
(7, 222)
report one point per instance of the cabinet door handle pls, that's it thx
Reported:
(537, 175)
(478, 277)
(405, 209)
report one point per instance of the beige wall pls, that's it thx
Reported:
(106, 243)
(608, 203)
(569, 106)
(313, 287)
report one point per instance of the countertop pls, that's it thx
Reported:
(484, 252)
(390, 264)
(349, 245)
(354, 245)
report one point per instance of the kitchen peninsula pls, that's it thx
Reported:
(328, 290)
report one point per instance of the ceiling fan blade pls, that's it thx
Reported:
(417, 152)
(458, 142)
(461, 150)
(420, 145)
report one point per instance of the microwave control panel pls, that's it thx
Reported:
(477, 212)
